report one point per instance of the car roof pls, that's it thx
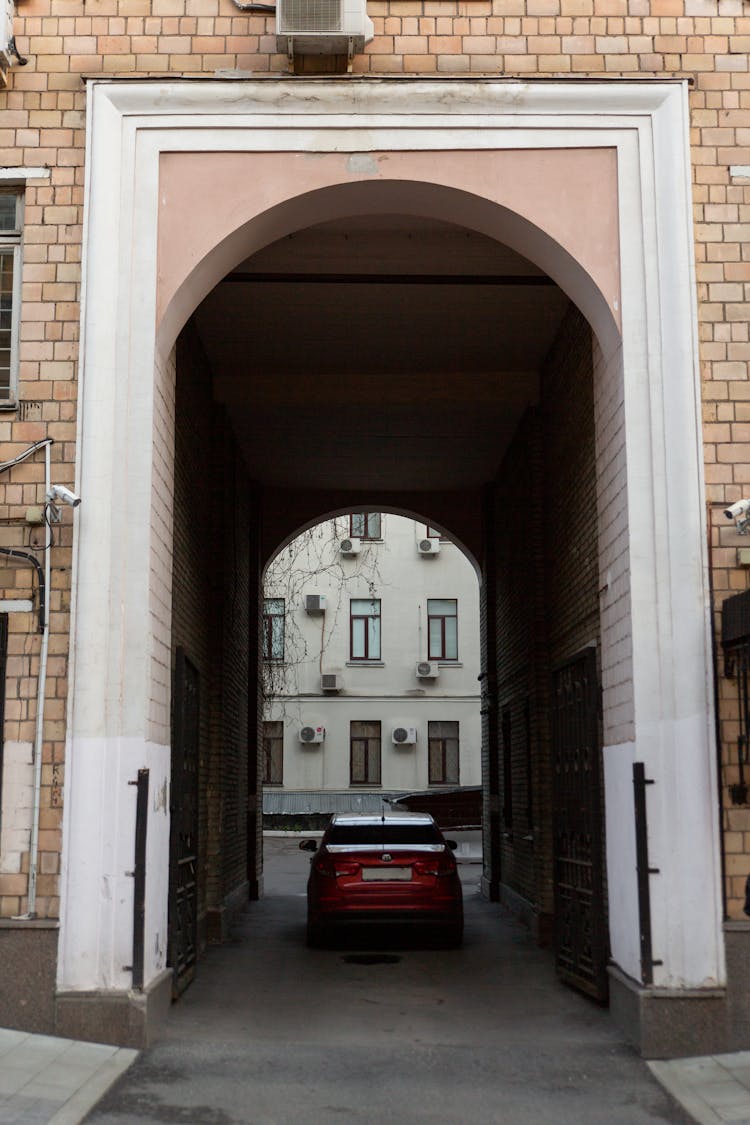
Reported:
(399, 817)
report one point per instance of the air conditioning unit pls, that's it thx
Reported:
(330, 681)
(427, 670)
(322, 27)
(315, 604)
(428, 546)
(311, 735)
(350, 546)
(404, 736)
(9, 55)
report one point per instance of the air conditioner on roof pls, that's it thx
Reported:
(312, 735)
(428, 546)
(404, 736)
(322, 27)
(427, 670)
(350, 546)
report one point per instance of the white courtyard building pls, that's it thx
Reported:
(371, 661)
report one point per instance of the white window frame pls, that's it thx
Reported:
(14, 240)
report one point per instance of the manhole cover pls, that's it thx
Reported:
(371, 959)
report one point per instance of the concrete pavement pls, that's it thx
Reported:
(271, 1033)
(50, 1081)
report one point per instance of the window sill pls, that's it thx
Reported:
(365, 664)
(6, 406)
(450, 664)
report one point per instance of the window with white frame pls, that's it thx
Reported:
(365, 525)
(442, 629)
(365, 628)
(11, 219)
(273, 629)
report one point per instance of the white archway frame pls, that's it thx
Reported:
(655, 614)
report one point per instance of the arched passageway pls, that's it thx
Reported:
(397, 330)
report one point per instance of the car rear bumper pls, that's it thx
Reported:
(397, 914)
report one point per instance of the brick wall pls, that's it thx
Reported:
(547, 601)
(211, 621)
(192, 625)
(42, 122)
(20, 487)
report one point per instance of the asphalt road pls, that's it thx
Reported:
(272, 1033)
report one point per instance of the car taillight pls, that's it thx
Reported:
(333, 868)
(440, 865)
(343, 868)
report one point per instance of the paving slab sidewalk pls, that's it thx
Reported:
(713, 1089)
(45, 1080)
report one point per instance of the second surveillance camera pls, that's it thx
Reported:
(736, 511)
(60, 494)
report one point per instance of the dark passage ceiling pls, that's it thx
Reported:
(333, 378)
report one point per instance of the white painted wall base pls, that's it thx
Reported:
(18, 802)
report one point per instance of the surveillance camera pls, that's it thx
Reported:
(59, 493)
(736, 511)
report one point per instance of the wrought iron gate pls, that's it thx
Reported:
(580, 920)
(735, 637)
(183, 883)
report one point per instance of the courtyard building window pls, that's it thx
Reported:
(364, 753)
(365, 525)
(365, 628)
(442, 629)
(11, 217)
(442, 740)
(273, 753)
(273, 628)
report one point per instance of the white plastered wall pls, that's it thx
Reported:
(655, 639)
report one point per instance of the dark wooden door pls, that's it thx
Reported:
(183, 882)
(582, 945)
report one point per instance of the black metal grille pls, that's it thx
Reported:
(735, 635)
(183, 881)
(3, 672)
(580, 920)
(735, 619)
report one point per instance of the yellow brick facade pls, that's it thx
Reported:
(42, 123)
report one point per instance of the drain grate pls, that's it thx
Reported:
(371, 959)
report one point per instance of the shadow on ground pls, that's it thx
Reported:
(274, 1033)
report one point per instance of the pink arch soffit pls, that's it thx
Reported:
(192, 261)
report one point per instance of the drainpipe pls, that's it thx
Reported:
(39, 732)
(44, 594)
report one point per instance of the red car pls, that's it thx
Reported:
(396, 868)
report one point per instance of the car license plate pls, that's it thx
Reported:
(385, 874)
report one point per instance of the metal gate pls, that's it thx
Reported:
(582, 945)
(735, 636)
(183, 883)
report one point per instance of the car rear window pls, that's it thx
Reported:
(384, 834)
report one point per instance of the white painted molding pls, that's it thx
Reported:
(15, 605)
(18, 175)
(669, 702)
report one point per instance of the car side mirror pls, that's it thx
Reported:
(452, 845)
(308, 845)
